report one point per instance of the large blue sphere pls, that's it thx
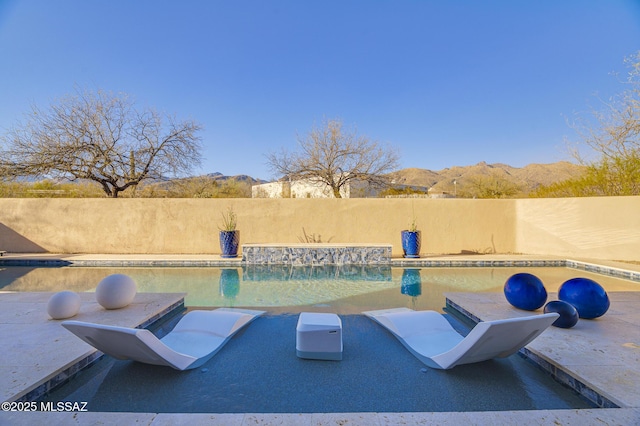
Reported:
(568, 314)
(588, 297)
(525, 291)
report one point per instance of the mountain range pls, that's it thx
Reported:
(528, 178)
(239, 178)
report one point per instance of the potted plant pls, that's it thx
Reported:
(229, 235)
(411, 240)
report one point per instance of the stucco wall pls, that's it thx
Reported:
(603, 227)
(607, 228)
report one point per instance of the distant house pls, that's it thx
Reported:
(307, 189)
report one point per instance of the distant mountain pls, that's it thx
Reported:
(528, 178)
(240, 178)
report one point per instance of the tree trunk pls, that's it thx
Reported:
(107, 189)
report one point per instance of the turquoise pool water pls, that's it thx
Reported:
(338, 289)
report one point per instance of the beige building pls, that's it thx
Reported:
(306, 189)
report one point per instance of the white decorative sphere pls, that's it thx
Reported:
(64, 304)
(116, 291)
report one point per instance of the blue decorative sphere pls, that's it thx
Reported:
(568, 314)
(587, 296)
(525, 291)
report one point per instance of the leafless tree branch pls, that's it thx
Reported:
(335, 158)
(100, 137)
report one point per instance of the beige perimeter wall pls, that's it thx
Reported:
(605, 228)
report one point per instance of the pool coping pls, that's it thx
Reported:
(627, 271)
(537, 353)
(25, 312)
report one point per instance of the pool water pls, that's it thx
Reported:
(286, 289)
(258, 371)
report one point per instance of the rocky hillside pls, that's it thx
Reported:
(527, 178)
(217, 176)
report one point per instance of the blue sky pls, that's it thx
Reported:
(449, 83)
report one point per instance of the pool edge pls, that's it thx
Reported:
(554, 369)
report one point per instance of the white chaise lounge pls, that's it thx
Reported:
(429, 336)
(197, 337)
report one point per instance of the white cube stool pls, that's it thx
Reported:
(319, 336)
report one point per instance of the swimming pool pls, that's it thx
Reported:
(345, 289)
(258, 371)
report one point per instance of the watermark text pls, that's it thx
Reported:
(44, 406)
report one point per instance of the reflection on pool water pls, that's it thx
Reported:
(339, 289)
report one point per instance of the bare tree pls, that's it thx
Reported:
(614, 136)
(103, 138)
(328, 156)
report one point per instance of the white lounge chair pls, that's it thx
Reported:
(429, 336)
(197, 337)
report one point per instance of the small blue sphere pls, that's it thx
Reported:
(587, 296)
(525, 291)
(568, 314)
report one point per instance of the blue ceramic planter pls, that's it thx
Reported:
(411, 241)
(229, 242)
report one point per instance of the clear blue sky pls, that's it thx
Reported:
(450, 83)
